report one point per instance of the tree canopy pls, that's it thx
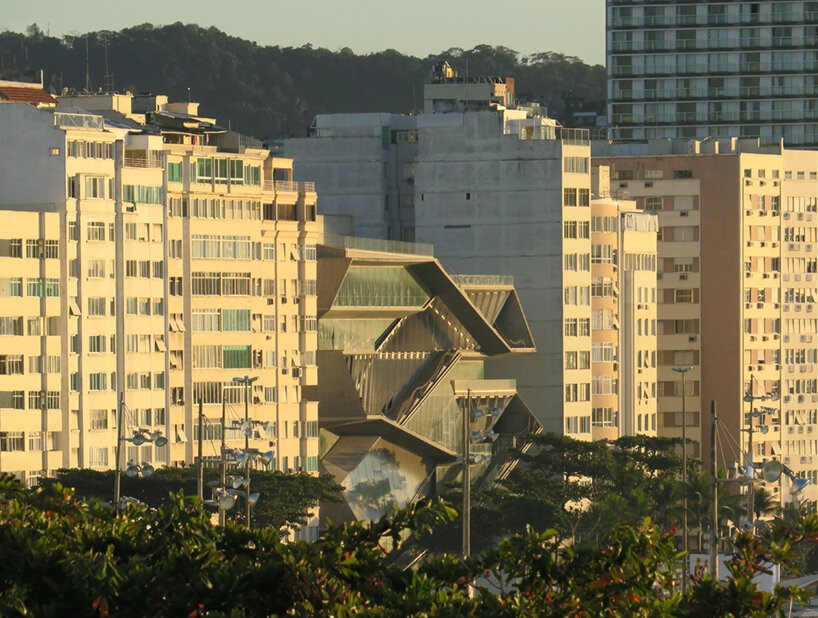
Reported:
(285, 501)
(270, 91)
(62, 556)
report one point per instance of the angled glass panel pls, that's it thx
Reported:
(371, 286)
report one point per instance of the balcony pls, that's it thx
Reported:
(289, 185)
(142, 158)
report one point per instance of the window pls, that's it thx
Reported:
(97, 343)
(98, 381)
(569, 197)
(11, 441)
(96, 269)
(98, 419)
(11, 325)
(653, 203)
(571, 360)
(575, 165)
(95, 188)
(603, 417)
(98, 457)
(683, 296)
(96, 230)
(11, 364)
(174, 172)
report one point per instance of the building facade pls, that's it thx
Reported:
(151, 257)
(720, 69)
(623, 315)
(736, 290)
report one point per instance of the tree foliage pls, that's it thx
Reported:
(270, 91)
(61, 556)
(286, 499)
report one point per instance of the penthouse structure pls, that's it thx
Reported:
(737, 278)
(150, 256)
(722, 69)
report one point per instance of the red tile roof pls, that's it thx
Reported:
(15, 94)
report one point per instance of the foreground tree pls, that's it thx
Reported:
(285, 501)
(60, 556)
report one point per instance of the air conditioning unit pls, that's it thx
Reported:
(683, 276)
(284, 300)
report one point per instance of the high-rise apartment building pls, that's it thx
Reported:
(738, 279)
(721, 69)
(151, 255)
(623, 315)
(494, 189)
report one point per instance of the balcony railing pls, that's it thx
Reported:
(378, 244)
(140, 158)
(289, 185)
(78, 121)
(483, 280)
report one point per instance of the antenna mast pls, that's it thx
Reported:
(87, 68)
(109, 77)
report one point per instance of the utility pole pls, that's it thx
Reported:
(466, 477)
(683, 371)
(223, 463)
(714, 495)
(200, 459)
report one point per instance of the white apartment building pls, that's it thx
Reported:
(151, 255)
(722, 69)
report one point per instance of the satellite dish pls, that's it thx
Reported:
(765, 429)
(772, 471)
(748, 397)
(775, 396)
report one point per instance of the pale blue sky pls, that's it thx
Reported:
(421, 27)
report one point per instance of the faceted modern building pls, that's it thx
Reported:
(401, 352)
(150, 256)
(737, 288)
(721, 69)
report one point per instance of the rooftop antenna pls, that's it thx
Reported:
(87, 68)
(467, 81)
(188, 94)
(109, 77)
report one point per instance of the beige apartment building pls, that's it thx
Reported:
(623, 315)
(737, 267)
(148, 253)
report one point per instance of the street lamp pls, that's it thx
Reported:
(140, 436)
(247, 381)
(683, 371)
(471, 414)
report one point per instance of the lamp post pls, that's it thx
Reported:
(467, 413)
(140, 437)
(683, 371)
(247, 381)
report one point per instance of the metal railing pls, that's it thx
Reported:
(483, 280)
(377, 244)
(289, 185)
(78, 121)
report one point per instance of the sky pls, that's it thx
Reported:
(419, 28)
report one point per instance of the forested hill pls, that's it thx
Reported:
(270, 91)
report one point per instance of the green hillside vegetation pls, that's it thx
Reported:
(274, 92)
